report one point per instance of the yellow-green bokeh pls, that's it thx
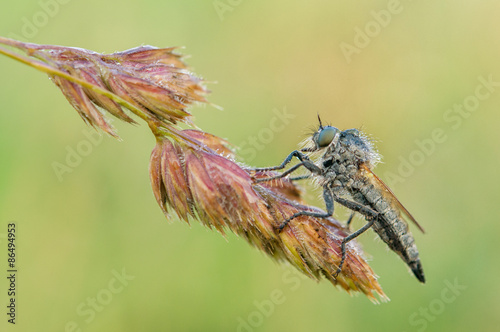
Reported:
(265, 55)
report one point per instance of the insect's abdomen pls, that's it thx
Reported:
(391, 228)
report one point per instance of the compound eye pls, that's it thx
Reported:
(326, 136)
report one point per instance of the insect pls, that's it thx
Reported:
(345, 170)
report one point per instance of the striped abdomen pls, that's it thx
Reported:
(390, 226)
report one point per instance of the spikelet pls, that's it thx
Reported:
(152, 81)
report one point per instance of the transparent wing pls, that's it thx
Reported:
(391, 194)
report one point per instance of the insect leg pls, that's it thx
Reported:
(349, 238)
(364, 210)
(348, 222)
(279, 176)
(357, 207)
(306, 163)
(302, 177)
(327, 196)
(295, 153)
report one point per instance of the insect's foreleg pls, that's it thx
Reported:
(287, 160)
(302, 177)
(306, 163)
(327, 196)
(364, 210)
(311, 167)
(282, 175)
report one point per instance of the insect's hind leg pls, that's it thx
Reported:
(349, 220)
(327, 196)
(371, 214)
(347, 239)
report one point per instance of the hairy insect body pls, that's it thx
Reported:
(343, 175)
(345, 169)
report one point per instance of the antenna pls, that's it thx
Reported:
(320, 124)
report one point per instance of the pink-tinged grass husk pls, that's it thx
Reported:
(152, 83)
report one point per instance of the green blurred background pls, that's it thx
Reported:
(399, 84)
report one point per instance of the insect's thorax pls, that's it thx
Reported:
(343, 174)
(341, 166)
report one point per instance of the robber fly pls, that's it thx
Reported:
(345, 170)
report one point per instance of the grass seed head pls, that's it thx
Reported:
(153, 81)
(199, 182)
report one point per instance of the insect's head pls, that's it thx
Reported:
(323, 137)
